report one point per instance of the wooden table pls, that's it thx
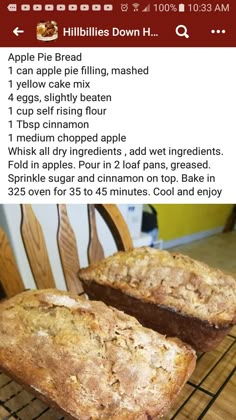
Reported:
(210, 393)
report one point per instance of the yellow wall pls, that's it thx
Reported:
(176, 220)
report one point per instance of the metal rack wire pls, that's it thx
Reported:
(200, 388)
(17, 403)
(213, 373)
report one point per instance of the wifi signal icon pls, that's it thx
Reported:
(135, 6)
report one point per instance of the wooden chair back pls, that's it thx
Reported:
(11, 281)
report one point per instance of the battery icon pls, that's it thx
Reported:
(181, 7)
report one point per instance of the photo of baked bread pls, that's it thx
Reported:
(47, 31)
(97, 351)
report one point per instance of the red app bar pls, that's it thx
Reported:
(117, 23)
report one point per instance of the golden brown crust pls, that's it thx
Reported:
(91, 361)
(172, 280)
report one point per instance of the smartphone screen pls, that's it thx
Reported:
(127, 109)
(118, 101)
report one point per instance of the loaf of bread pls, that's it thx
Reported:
(170, 293)
(88, 360)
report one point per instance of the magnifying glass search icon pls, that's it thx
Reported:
(181, 30)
